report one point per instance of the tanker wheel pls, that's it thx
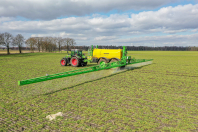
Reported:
(102, 62)
(63, 62)
(114, 60)
(74, 61)
(115, 68)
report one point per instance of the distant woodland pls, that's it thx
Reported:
(53, 44)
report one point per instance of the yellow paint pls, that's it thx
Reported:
(108, 53)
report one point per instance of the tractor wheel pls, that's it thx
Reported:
(63, 62)
(74, 61)
(85, 63)
(102, 62)
(82, 63)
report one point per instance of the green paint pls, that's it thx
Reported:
(103, 66)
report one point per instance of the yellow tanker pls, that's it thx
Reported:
(106, 55)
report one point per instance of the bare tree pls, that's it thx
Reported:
(42, 42)
(60, 43)
(54, 47)
(1, 39)
(31, 42)
(68, 42)
(47, 42)
(38, 42)
(194, 48)
(18, 41)
(72, 42)
(54, 43)
(6, 39)
(50, 44)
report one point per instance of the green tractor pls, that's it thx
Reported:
(76, 58)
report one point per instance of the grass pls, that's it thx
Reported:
(158, 97)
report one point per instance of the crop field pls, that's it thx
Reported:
(162, 96)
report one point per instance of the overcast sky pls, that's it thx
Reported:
(104, 22)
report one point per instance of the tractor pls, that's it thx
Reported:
(95, 55)
(76, 58)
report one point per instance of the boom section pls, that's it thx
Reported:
(82, 71)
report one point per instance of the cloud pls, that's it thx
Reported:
(168, 17)
(105, 38)
(175, 31)
(6, 19)
(51, 9)
(168, 40)
(116, 29)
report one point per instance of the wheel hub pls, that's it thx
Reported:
(102, 64)
(74, 62)
(63, 62)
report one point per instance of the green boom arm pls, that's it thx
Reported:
(81, 71)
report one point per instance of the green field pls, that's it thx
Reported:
(158, 97)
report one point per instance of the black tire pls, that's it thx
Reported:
(63, 62)
(113, 60)
(75, 61)
(116, 68)
(101, 61)
(85, 63)
(102, 64)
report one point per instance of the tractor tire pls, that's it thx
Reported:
(82, 63)
(85, 63)
(74, 61)
(101, 62)
(63, 62)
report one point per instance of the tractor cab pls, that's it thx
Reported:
(77, 52)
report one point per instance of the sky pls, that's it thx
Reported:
(104, 22)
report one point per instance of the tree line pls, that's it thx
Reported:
(7, 39)
(143, 48)
(51, 44)
(44, 44)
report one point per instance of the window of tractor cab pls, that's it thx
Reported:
(79, 53)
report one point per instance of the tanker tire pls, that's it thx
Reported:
(115, 68)
(99, 62)
(113, 60)
(102, 60)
